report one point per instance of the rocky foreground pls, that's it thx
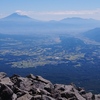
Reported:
(37, 88)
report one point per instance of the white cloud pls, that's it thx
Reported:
(68, 12)
(22, 12)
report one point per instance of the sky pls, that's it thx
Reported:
(51, 9)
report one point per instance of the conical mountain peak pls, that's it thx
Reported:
(17, 17)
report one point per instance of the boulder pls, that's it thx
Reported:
(38, 84)
(19, 92)
(5, 92)
(31, 76)
(67, 95)
(2, 75)
(60, 98)
(97, 97)
(15, 80)
(89, 96)
(44, 92)
(35, 91)
(14, 96)
(39, 78)
(25, 84)
(45, 97)
(78, 96)
(36, 97)
(25, 97)
(82, 92)
(6, 81)
(49, 87)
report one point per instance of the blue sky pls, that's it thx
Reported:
(51, 9)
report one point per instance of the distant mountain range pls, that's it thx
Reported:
(22, 24)
(78, 20)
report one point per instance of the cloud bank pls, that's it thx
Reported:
(69, 12)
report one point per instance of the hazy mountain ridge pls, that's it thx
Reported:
(22, 24)
(93, 34)
(77, 20)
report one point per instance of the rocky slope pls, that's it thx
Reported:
(37, 88)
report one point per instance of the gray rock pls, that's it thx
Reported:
(97, 97)
(35, 91)
(5, 92)
(82, 92)
(25, 84)
(36, 97)
(49, 87)
(89, 96)
(58, 88)
(15, 80)
(61, 87)
(19, 92)
(25, 97)
(6, 81)
(14, 96)
(39, 78)
(2, 75)
(44, 92)
(31, 76)
(56, 95)
(60, 98)
(79, 97)
(67, 94)
(45, 97)
(38, 84)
